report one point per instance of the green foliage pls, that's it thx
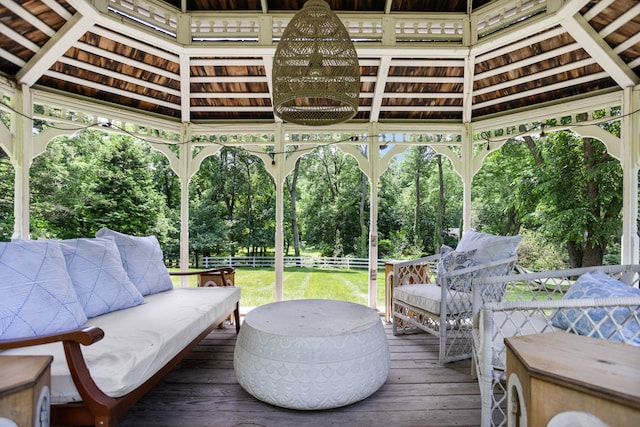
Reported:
(566, 189)
(330, 190)
(91, 181)
(6, 197)
(563, 193)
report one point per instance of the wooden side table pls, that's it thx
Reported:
(556, 379)
(25, 383)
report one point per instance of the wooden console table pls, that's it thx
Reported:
(554, 373)
(24, 389)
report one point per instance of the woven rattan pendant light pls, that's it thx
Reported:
(316, 76)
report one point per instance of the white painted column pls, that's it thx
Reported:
(630, 140)
(279, 173)
(467, 175)
(21, 158)
(184, 174)
(374, 178)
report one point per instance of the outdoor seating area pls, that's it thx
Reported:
(600, 302)
(219, 131)
(442, 305)
(106, 310)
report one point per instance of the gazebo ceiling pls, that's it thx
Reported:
(428, 60)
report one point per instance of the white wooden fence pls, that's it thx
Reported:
(289, 261)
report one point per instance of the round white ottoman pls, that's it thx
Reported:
(311, 354)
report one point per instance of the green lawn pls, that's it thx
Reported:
(258, 284)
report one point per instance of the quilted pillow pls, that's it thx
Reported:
(451, 260)
(599, 285)
(36, 293)
(143, 261)
(98, 276)
(489, 247)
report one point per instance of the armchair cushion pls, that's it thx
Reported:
(595, 322)
(429, 298)
(143, 261)
(37, 295)
(97, 274)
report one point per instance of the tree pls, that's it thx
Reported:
(565, 188)
(90, 181)
(329, 206)
(580, 197)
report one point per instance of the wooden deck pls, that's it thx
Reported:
(203, 391)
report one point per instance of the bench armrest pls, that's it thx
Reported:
(84, 336)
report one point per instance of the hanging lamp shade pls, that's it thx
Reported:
(316, 75)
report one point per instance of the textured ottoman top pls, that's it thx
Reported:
(311, 318)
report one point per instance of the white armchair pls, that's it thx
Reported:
(522, 304)
(433, 294)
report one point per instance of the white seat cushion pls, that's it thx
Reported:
(428, 297)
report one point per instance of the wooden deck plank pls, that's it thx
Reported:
(203, 391)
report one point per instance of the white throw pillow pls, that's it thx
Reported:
(37, 296)
(143, 261)
(489, 247)
(96, 270)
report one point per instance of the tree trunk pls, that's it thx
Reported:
(594, 248)
(291, 187)
(575, 255)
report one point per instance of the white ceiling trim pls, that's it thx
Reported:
(185, 89)
(124, 60)
(543, 89)
(19, 38)
(521, 44)
(627, 43)
(425, 108)
(537, 76)
(113, 90)
(379, 90)
(620, 21)
(247, 108)
(228, 79)
(418, 79)
(131, 41)
(231, 62)
(528, 61)
(117, 75)
(31, 19)
(230, 95)
(426, 95)
(55, 47)
(595, 46)
(58, 8)
(596, 9)
(12, 58)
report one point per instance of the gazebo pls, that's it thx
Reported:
(192, 76)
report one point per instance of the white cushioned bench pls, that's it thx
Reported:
(107, 311)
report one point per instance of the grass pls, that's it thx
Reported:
(258, 285)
